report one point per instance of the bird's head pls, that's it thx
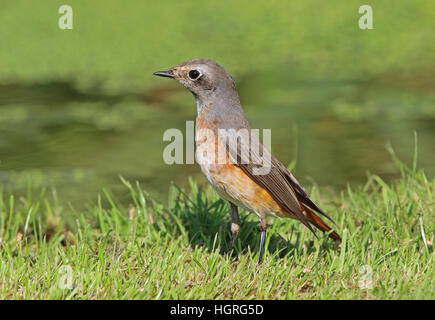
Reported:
(204, 78)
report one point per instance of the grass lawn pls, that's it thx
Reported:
(77, 105)
(151, 251)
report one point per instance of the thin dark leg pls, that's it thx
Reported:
(235, 225)
(263, 227)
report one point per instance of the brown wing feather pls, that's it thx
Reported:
(274, 182)
(301, 194)
(283, 194)
(279, 182)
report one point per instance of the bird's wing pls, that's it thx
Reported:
(301, 194)
(264, 170)
(259, 164)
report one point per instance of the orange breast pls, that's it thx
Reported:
(229, 180)
(234, 185)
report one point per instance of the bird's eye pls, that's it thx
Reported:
(194, 74)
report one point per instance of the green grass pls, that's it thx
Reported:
(99, 76)
(117, 46)
(152, 251)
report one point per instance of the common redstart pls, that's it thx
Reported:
(243, 173)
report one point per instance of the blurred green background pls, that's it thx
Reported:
(80, 107)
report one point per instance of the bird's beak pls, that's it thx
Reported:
(168, 74)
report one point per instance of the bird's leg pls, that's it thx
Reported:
(235, 225)
(263, 227)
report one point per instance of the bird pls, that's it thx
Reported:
(239, 178)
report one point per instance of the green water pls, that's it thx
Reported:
(53, 135)
(79, 108)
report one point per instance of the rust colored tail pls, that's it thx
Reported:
(318, 223)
